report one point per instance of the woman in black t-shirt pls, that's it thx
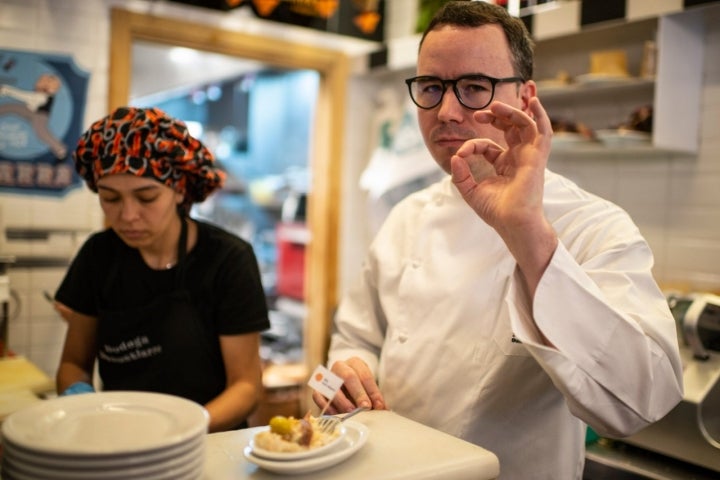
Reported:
(162, 302)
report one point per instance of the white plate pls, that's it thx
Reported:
(602, 79)
(115, 423)
(356, 436)
(167, 470)
(623, 137)
(570, 138)
(108, 462)
(552, 85)
(286, 456)
(191, 471)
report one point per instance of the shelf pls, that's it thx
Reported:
(574, 91)
(606, 104)
(598, 150)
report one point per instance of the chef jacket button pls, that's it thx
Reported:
(402, 338)
(416, 264)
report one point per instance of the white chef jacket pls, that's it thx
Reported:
(443, 319)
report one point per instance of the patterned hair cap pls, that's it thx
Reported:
(146, 142)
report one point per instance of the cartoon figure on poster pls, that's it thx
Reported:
(42, 101)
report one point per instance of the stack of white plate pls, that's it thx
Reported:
(108, 435)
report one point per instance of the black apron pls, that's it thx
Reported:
(162, 347)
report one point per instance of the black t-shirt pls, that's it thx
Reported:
(220, 273)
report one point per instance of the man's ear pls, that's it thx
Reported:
(527, 91)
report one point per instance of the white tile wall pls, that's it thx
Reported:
(675, 201)
(70, 27)
(35, 329)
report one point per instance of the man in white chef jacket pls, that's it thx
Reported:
(504, 305)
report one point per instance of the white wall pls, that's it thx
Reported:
(675, 201)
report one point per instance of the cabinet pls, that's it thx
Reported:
(674, 92)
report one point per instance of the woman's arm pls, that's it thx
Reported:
(78, 356)
(244, 381)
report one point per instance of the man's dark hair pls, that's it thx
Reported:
(473, 13)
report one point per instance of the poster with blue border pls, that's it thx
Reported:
(42, 104)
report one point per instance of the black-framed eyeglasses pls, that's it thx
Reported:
(472, 91)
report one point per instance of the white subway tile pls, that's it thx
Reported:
(699, 223)
(694, 254)
(638, 190)
(17, 210)
(40, 307)
(17, 15)
(47, 332)
(19, 278)
(16, 40)
(46, 358)
(19, 338)
(695, 190)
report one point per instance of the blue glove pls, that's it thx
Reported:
(78, 387)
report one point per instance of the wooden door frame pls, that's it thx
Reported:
(326, 147)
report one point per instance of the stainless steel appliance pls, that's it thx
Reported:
(691, 431)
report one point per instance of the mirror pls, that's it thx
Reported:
(326, 146)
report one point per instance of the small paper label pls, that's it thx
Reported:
(325, 382)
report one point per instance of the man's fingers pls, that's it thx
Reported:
(542, 119)
(362, 386)
(516, 124)
(480, 146)
(321, 402)
(359, 386)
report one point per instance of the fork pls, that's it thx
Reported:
(328, 423)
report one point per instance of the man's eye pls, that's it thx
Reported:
(109, 199)
(430, 88)
(475, 87)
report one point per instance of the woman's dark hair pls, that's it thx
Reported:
(473, 13)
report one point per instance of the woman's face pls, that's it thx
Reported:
(140, 210)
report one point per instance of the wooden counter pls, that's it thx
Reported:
(20, 383)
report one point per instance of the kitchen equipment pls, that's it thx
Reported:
(292, 240)
(691, 431)
(701, 325)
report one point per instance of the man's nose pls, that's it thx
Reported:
(450, 107)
